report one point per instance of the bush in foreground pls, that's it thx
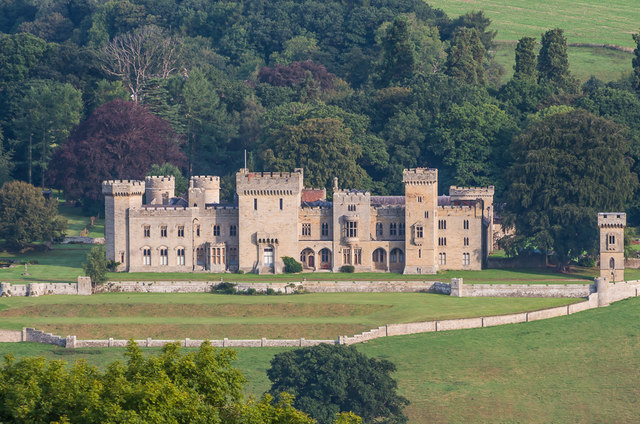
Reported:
(291, 266)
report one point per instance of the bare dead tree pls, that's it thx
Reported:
(138, 56)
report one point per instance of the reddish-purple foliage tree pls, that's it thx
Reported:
(296, 73)
(120, 140)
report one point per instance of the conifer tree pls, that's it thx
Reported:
(466, 57)
(553, 61)
(636, 63)
(525, 67)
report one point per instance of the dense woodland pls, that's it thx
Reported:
(91, 90)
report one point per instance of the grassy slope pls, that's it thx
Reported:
(581, 369)
(193, 315)
(587, 21)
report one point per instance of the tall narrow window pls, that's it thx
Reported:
(216, 230)
(255, 204)
(379, 229)
(281, 204)
(233, 230)
(465, 224)
(419, 199)
(198, 230)
(147, 231)
(466, 259)
(163, 231)
(442, 258)
(442, 241)
(181, 231)
(392, 229)
(419, 231)
(306, 229)
(164, 256)
(352, 229)
(442, 224)
(466, 241)
(357, 256)
(325, 228)
(346, 256)
(233, 256)
(401, 229)
(180, 256)
(146, 258)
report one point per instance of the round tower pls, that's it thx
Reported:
(210, 185)
(158, 190)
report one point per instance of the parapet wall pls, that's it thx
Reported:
(527, 290)
(81, 287)
(420, 176)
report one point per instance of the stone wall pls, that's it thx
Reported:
(10, 336)
(523, 290)
(81, 287)
(37, 336)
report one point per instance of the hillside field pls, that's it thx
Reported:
(587, 21)
(582, 368)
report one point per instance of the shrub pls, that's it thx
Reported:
(271, 292)
(291, 266)
(95, 266)
(347, 268)
(587, 261)
(225, 288)
(251, 292)
(112, 265)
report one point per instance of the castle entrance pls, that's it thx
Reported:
(308, 259)
(268, 257)
(380, 259)
(325, 259)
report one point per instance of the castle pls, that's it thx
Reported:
(275, 216)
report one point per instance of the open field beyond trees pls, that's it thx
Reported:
(581, 368)
(213, 316)
(585, 22)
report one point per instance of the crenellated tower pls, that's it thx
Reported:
(204, 190)
(119, 197)
(611, 226)
(159, 190)
(485, 194)
(268, 207)
(421, 205)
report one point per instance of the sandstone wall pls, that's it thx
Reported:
(527, 290)
(10, 336)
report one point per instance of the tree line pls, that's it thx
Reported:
(358, 90)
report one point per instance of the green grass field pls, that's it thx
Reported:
(587, 21)
(582, 368)
(212, 316)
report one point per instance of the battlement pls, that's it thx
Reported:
(420, 176)
(205, 181)
(123, 187)
(160, 180)
(612, 219)
(269, 183)
(351, 195)
(467, 193)
(160, 211)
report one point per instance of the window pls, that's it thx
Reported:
(198, 230)
(465, 224)
(217, 255)
(442, 258)
(611, 242)
(233, 230)
(393, 229)
(255, 204)
(268, 256)
(442, 224)
(164, 256)
(351, 208)
(146, 258)
(379, 229)
(401, 229)
(181, 231)
(352, 229)
(346, 256)
(280, 204)
(200, 256)
(466, 241)
(306, 229)
(466, 259)
(357, 256)
(396, 256)
(442, 241)
(419, 199)
(426, 214)
(419, 253)
(147, 231)
(233, 255)
(216, 230)
(419, 231)
(163, 231)
(612, 263)
(325, 228)
(324, 254)
(180, 260)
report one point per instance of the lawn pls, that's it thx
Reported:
(212, 316)
(63, 263)
(582, 368)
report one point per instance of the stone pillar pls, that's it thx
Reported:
(602, 288)
(70, 342)
(83, 286)
(457, 287)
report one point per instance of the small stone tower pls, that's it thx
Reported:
(159, 190)
(204, 190)
(421, 205)
(119, 197)
(611, 226)
(486, 195)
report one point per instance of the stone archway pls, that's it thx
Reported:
(379, 259)
(396, 259)
(325, 258)
(308, 258)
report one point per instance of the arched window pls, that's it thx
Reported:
(612, 263)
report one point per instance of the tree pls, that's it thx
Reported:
(329, 379)
(398, 59)
(465, 60)
(553, 61)
(95, 266)
(182, 184)
(119, 140)
(26, 216)
(6, 164)
(172, 387)
(567, 168)
(636, 62)
(525, 67)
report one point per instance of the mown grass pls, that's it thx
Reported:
(62, 263)
(582, 368)
(208, 316)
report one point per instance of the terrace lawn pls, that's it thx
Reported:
(582, 368)
(213, 316)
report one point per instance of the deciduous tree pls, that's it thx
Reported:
(95, 266)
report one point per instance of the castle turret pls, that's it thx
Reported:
(119, 197)
(159, 190)
(611, 226)
(204, 190)
(421, 201)
(486, 195)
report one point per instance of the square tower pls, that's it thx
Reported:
(611, 226)
(421, 205)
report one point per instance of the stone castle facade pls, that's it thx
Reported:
(275, 216)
